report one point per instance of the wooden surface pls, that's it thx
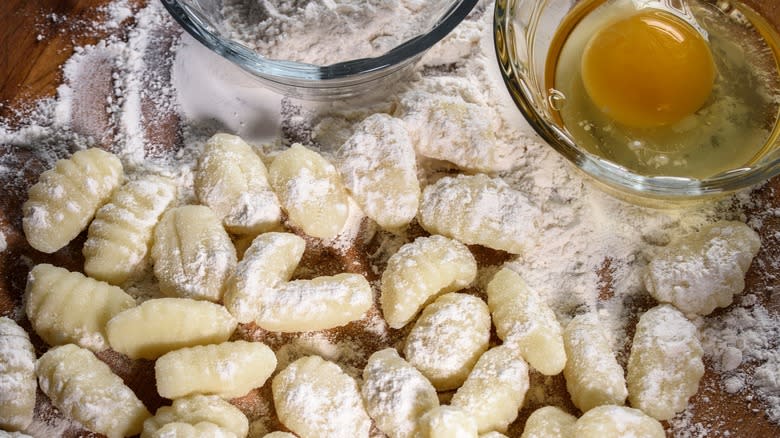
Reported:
(30, 69)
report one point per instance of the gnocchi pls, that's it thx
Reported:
(317, 304)
(665, 363)
(396, 394)
(447, 422)
(119, 238)
(314, 398)
(4, 434)
(495, 389)
(279, 434)
(379, 168)
(489, 212)
(549, 422)
(269, 261)
(17, 376)
(86, 390)
(522, 318)
(67, 307)
(193, 255)
(64, 200)
(593, 375)
(609, 421)
(203, 429)
(704, 270)
(195, 410)
(228, 370)
(448, 338)
(310, 190)
(420, 271)
(233, 181)
(160, 325)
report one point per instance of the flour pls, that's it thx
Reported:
(589, 249)
(326, 32)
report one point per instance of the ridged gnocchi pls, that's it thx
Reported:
(67, 307)
(314, 398)
(396, 394)
(593, 375)
(420, 271)
(268, 262)
(448, 338)
(86, 390)
(447, 422)
(495, 389)
(64, 200)
(549, 422)
(310, 190)
(194, 411)
(193, 255)
(489, 212)
(160, 325)
(611, 421)
(704, 270)
(233, 181)
(17, 376)
(119, 238)
(228, 370)
(203, 429)
(317, 304)
(379, 168)
(665, 364)
(523, 319)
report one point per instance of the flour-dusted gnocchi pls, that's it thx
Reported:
(611, 421)
(447, 422)
(65, 198)
(195, 410)
(68, 307)
(310, 190)
(704, 270)
(314, 398)
(228, 370)
(161, 325)
(17, 376)
(86, 390)
(593, 375)
(233, 181)
(495, 389)
(396, 394)
(448, 338)
(477, 209)
(493, 434)
(379, 168)
(420, 271)
(549, 422)
(433, 118)
(317, 304)
(279, 434)
(119, 238)
(193, 255)
(665, 364)
(523, 319)
(269, 261)
(203, 429)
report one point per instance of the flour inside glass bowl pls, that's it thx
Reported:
(324, 32)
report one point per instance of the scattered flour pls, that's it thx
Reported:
(586, 235)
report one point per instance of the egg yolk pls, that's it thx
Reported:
(649, 69)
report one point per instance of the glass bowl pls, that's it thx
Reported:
(524, 31)
(204, 20)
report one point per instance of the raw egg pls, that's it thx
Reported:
(649, 69)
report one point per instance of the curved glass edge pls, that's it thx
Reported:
(604, 171)
(309, 75)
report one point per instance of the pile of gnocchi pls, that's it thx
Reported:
(209, 288)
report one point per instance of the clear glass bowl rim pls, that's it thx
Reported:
(310, 75)
(604, 171)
